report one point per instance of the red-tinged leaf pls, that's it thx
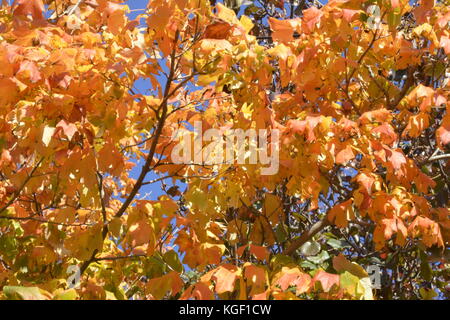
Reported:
(283, 30)
(256, 277)
(296, 126)
(211, 253)
(311, 123)
(380, 115)
(33, 7)
(199, 291)
(390, 227)
(68, 129)
(397, 158)
(8, 91)
(423, 10)
(261, 253)
(303, 283)
(348, 125)
(311, 17)
(110, 159)
(386, 132)
(349, 14)
(366, 180)
(420, 92)
(288, 277)
(294, 277)
(395, 4)
(5, 157)
(345, 155)
(170, 283)
(443, 133)
(29, 70)
(139, 233)
(424, 182)
(327, 280)
(261, 296)
(445, 43)
(442, 21)
(218, 29)
(112, 7)
(429, 231)
(416, 125)
(225, 277)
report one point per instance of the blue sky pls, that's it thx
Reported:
(154, 190)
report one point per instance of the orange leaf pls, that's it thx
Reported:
(261, 253)
(416, 125)
(33, 7)
(219, 29)
(199, 291)
(348, 14)
(345, 155)
(283, 30)
(311, 17)
(445, 43)
(380, 115)
(294, 277)
(68, 129)
(342, 213)
(139, 233)
(169, 283)
(443, 133)
(225, 277)
(256, 276)
(386, 132)
(397, 158)
(28, 69)
(327, 280)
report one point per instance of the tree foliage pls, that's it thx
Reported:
(361, 102)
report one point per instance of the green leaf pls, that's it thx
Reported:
(310, 248)
(280, 233)
(425, 268)
(349, 282)
(307, 265)
(427, 294)
(394, 18)
(338, 244)
(70, 294)
(320, 258)
(25, 293)
(172, 259)
(358, 288)
(280, 260)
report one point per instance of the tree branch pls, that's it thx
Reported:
(438, 157)
(17, 193)
(306, 236)
(146, 167)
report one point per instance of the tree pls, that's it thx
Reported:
(357, 91)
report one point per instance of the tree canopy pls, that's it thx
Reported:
(357, 91)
